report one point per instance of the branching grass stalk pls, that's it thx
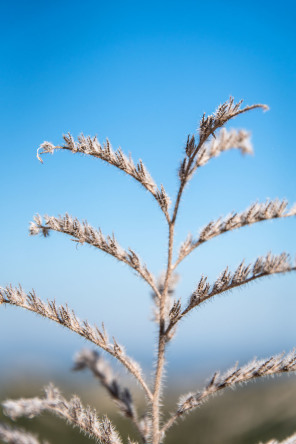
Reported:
(150, 429)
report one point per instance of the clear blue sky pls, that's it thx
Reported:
(142, 74)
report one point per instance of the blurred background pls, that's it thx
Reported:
(142, 74)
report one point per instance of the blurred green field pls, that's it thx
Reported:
(250, 414)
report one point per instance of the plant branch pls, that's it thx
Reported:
(257, 212)
(224, 141)
(66, 317)
(263, 266)
(207, 127)
(85, 233)
(92, 360)
(255, 369)
(92, 147)
(72, 411)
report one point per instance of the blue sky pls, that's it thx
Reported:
(142, 74)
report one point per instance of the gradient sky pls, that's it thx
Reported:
(142, 74)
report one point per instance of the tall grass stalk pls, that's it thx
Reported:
(210, 141)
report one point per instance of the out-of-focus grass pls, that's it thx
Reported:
(250, 414)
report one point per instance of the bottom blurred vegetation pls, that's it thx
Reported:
(250, 414)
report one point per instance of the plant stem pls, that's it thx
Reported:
(162, 327)
(161, 342)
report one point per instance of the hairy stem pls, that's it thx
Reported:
(162, 327)
(161, 341)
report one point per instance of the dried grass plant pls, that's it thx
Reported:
(199, 149)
